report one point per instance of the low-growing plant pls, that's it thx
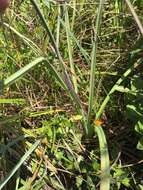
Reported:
(54, 106)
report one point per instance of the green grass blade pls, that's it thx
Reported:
(113, 89)
(58, 27)
(70, 49)
(18, 101)
(25, 69)
(22, 71)
(57, 75)
(82, 50)
(47, 28)
(105, 164)
(18, 165)
(93, 61)
(73, 15)
(29, 42)
(45, 24)
(17, 180)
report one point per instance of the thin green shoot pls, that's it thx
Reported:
(18, 165)
(70, 49)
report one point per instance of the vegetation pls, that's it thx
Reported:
(71, 98)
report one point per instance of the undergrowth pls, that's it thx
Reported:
(71, 112)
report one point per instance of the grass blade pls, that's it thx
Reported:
(22, 71)
(105, 164)
(135, 16)
(70, 49)
(25, 69)
(29, 42)
(57, 75)
(73, 14)
(82, 50)
(93, 61)
(18, 165)
(58, 27)
(113, 89)
(46, 26)
(18, 101)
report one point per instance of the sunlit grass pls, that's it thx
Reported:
(62, 67)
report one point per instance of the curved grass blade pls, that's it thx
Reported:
(25, 69)
(18, 165)
(113, 89)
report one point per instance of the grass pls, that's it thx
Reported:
(66, 74)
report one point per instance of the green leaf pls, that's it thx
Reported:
(49, 132)
(122, 89)
(79, 180)
(70, 49)
(119, 172)
(95, 165)
(126, 182)
(139, 127)
(136, 83)
(134, 113)
(59, 155)
(94, 62)
(140, 144)
(90, 183)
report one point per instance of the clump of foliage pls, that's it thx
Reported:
(70, 79)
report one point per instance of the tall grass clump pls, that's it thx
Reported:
(60, 92)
